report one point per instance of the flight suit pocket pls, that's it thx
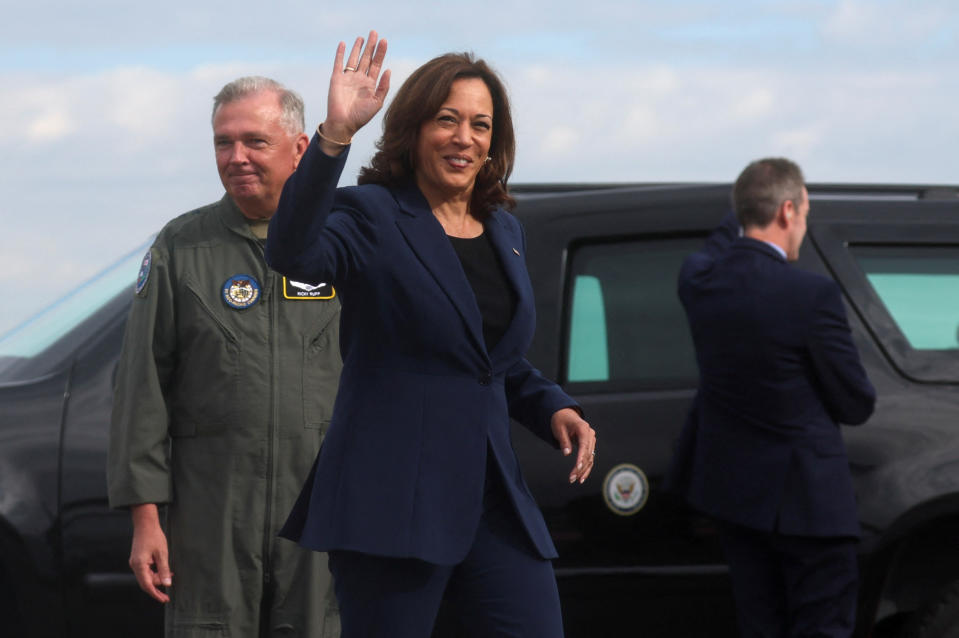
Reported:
(208, 374)
(321, 376)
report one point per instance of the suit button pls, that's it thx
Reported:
(486, 379)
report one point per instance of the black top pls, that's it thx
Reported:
(494, 294)
(497, 303)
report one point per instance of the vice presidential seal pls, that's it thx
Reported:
(625, 489)
(241, 291)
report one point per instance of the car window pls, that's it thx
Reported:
(43, 329)
(626, 326)
(918, 285)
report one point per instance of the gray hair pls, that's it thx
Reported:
(290, 102)
(762, 187)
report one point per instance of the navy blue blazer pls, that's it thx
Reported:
(778, 371)
(401, 470)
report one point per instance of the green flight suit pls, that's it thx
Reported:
(224, 390)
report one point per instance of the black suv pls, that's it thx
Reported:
(633, 561)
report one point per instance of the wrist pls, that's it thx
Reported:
(335, 134)
(145, 514)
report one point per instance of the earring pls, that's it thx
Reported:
(488, 158)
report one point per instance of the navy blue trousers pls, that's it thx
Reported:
(792, 586)
(503, 588)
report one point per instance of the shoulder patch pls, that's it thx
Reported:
(299, 290)
(625, 489)
(241, 291)
(144, 275)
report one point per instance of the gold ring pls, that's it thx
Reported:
(349, 68)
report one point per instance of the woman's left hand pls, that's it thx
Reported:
(568, 428)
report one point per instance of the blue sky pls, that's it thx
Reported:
(105, 133)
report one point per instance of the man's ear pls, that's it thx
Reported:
(785, 213)
(299, 146)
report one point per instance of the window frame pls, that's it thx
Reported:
(835, 242)
(612, 386)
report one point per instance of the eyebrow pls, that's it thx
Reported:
(456, 112)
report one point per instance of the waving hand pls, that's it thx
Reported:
(356, 92)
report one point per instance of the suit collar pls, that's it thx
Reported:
(428, 240)
(411, 200)
(748, 243)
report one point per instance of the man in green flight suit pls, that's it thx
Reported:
(223, 393)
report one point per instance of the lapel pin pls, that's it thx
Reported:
(516, 251)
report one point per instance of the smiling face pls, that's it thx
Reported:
(255, 153)
(453, 144)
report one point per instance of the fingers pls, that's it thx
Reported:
(586, 452)
(155, 586)
(384, 86)
(164, 575)
(338, 59)
(149, 580)
(584, 462)
(376, 57)
(562, 439)
(584, 465)
(149, 555)
(367, 58)
(353, 62)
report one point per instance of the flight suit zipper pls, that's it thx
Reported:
(272, 444)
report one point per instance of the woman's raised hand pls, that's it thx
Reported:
(355, 95)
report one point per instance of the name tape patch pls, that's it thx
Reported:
(299, 290)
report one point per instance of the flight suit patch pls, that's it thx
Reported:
(298, 290)
(144, 273)
(241, 291)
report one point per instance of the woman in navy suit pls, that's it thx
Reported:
(417, 493)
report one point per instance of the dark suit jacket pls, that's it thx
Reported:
(401, 472)
(778, 372)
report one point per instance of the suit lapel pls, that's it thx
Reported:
(428, 241)
(508, 244)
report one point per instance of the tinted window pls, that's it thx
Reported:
(918, 285)
(626, 324)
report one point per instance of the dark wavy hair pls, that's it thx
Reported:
(418, 100)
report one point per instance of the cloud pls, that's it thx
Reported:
(127, 107)
(641, 123)
(560, 140)
(706, 123)
(49, 127)
(33, 113)
(800, 142)
(754, 104)
(96, 158)
(895, 23)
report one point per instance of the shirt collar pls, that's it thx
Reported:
(777, 248)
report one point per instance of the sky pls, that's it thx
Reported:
(105, 104)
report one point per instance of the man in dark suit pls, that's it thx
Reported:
(761, 451)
